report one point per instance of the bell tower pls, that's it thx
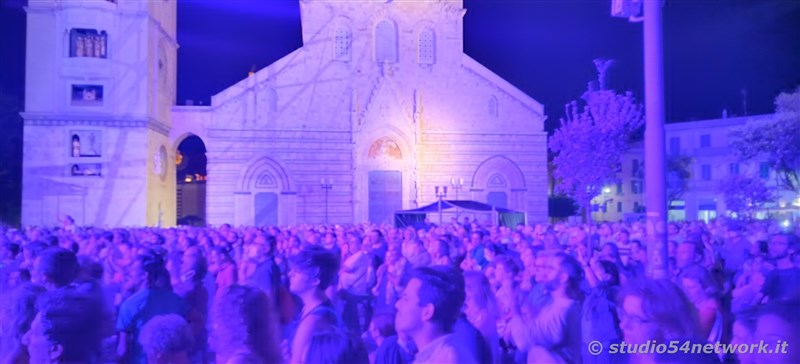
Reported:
(100, 82)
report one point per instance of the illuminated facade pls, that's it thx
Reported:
(382, 101)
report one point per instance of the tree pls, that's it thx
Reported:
(775, 140)
(744, 195)
(589, 144)
(679, 169)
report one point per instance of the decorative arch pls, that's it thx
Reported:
(176, 142)
(498, 169)
(265, 173)
(385, 147)
(386, 132)
(500, 182)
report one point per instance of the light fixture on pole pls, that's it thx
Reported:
(327, 185)
(457, 184)
(441, 193)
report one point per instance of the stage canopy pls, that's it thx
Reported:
(416, 217)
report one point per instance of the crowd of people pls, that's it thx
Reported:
(465, 292)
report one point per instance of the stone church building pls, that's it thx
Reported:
(380, 102)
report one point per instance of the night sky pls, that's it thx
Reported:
(713, 50)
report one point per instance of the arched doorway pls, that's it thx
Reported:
(499, 182)
(191, 174)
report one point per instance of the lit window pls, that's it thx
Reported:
(427, 47)
(385, 42)
(341, 44)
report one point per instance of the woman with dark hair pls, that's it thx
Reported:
(222, 265)
(244, 327)
(656, 310)
(703, 291)
(149, 277)
(335, 346)
(311, 272)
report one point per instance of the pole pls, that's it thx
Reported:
(655, 180)
(440, 211)
(326, 184)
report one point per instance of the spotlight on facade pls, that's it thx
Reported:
(606, 190)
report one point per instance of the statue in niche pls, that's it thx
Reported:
(79, 47)
(385, 147)
(76, 145)
(88, 44)
(101, 47)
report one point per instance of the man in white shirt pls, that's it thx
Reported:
(426, 312)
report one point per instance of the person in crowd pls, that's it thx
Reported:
(781, 284)
(244, 327)
(380, 328)
(153, 297)
(481, 310)
(428, 310)
(66, 329)
(192, 290)
(356, 278)
(335, 346)
(744, 327)
(17, 311)
(688, 253)
(702, 290)
(55, 268)
(167, 339)
(599, 316)
(648, 310)
(311, 272)
(223, 266)
(553, 335)
(779, 322)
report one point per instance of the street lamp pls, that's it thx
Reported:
(457, 184)
(441, 193)
(606, 200)
(327, 185)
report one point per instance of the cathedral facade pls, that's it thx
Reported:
(377, 108)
